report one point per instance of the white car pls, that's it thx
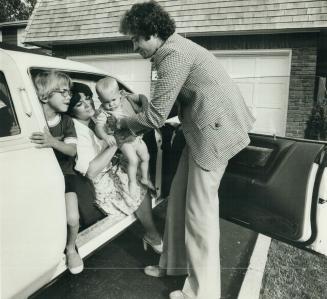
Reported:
(276, 186)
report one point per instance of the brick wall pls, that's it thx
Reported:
(301, 93)
(303, 65)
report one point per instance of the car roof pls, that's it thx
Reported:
(29, 60)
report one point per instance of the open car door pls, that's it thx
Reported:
(278, 186)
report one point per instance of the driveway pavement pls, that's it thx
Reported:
(116, 270)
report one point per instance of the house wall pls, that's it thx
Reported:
(120, 47)
(322, 55)
(9, 35)
(304, 48)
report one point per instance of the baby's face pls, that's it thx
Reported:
(110, 100)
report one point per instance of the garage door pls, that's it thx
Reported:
(134, 71)
(263, 78)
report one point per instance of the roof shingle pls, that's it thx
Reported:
(61, 21)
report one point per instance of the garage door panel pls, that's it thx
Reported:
(128, 70)
(266, 120)
(225, 63)
(242, 67)
(273, 79)
(270, 95)
(247, 90)
(272, 66)
(134, 72)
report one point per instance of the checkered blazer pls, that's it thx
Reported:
(214, 117)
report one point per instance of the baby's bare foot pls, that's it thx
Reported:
(147, 183)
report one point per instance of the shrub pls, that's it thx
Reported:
(317, 123)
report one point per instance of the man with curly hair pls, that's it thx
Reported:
(215, 122)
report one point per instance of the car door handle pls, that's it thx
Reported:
(25, 101)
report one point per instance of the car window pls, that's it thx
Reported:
(9, 125)
(87, 78)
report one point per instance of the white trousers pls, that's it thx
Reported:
(191, 239)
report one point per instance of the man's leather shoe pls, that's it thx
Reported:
(177, 295)
(154, 271)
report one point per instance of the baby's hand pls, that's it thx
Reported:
(110, 140)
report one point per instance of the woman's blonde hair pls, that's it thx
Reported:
(48, 81)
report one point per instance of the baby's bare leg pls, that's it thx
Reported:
(129, 152)
(143, 154)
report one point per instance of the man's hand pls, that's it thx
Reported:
(113, 120)
(44, 139)
(110, 140)
(132, 97)
(137, 101)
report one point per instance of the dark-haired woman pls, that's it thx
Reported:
(110, 181)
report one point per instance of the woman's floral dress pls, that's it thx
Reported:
(111, 185)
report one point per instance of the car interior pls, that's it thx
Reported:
(8, 119)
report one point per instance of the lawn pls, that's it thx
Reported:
(292, 273)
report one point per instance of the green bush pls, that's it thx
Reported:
(317, 123)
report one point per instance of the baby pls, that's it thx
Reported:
(115, 102)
